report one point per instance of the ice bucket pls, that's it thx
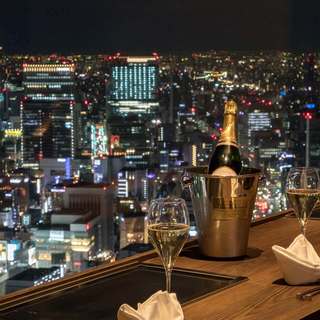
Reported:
(223, 209)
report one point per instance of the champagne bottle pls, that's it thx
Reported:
(225, 160)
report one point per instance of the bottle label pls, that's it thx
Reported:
(224, 171)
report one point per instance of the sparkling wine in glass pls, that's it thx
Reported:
(168, 230)
(303, 192)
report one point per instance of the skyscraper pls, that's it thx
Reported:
(98, 198)
(132, 103)
(48, 112)
(133, 86)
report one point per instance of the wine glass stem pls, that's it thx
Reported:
(168, 279)
(303, 229)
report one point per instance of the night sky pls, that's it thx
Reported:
(144, 26)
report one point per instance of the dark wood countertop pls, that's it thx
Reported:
(265, 295)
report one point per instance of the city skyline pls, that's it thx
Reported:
(110, 108)
(87, 141)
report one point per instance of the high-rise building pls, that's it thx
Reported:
(257, 122)
(134, 84)
(132, 103)
(135, 183)
(98, 140)
(98, 198)
(48, 112)
(14, 199)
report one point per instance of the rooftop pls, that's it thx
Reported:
(89, 185)
(33, 274)
(71, 211)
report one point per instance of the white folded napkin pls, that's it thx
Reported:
(299, 263)
(160, 306)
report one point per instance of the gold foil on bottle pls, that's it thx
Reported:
(230, 107)
(229, 132)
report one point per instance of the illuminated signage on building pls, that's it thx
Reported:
(16, 180)
(32, 256)
(56, 235)
(115, 141)
(12, 247)
(98, 140)
(3, 250)
(12, 133)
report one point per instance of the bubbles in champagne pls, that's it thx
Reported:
(168, 239)
(303, 201)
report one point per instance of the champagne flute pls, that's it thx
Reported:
(303, 192)
(168, 230)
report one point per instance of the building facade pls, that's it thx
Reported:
(48, 112)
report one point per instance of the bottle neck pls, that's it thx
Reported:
(229, 132)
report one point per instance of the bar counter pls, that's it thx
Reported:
(264, 295)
